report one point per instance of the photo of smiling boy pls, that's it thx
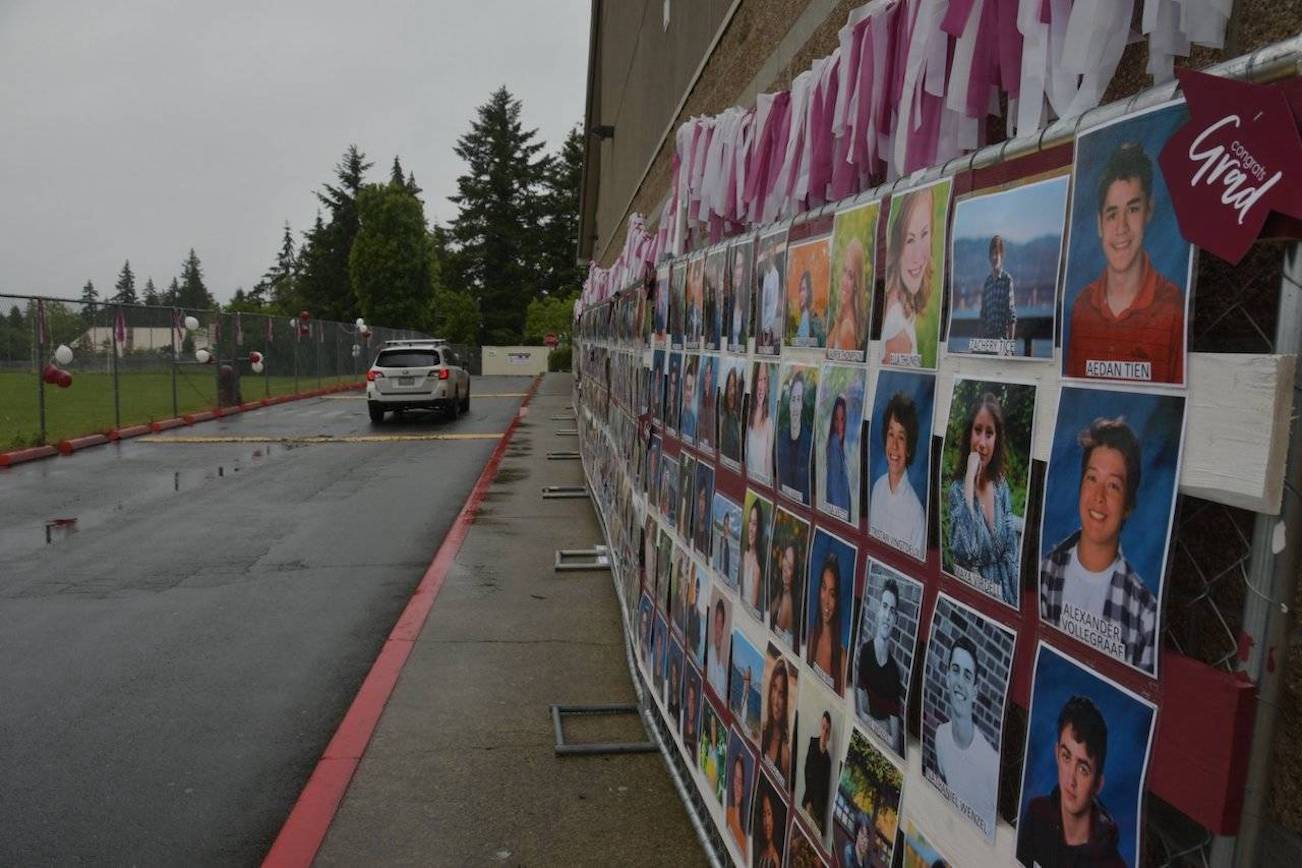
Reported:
(965, 683)
(1129, 268)
(1087, 750)
(1112, 474)
(900, 460)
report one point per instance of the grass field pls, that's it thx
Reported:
(86, 407)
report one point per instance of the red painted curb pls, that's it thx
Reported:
(250, 405)
(113, 435)
(133, 431)
(309, 820)
(67, 447)
(18, 456)
(166, 424)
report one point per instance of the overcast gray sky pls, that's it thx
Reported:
(139, 129)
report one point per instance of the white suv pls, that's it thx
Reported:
(417, 375)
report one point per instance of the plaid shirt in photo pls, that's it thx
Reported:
(1129, 604)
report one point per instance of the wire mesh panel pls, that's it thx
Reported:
(132, 364)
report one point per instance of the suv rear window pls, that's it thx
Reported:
(407, 359)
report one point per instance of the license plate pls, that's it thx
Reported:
(406, 381)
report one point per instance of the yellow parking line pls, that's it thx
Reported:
(310, 439)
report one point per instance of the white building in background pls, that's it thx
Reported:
(139, 339)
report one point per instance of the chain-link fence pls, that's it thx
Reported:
(132, 364)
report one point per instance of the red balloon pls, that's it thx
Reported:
(51, 374)
(65, 380)
(255, 357)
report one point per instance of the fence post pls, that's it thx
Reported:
(118, 316)
(38, 356)
(176, 351)
(1271, 579)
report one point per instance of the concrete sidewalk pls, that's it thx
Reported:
(461, 769)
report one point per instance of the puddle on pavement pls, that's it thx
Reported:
(147, 487)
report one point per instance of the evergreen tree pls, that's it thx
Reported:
(494, 233)
(90, 297)
(411, 185)
(126, 285)
(324, 286)
(396, 178)
(279, 284)
(390, 261)
(173, 294)
(151, 292)
(559, 272)
(192, 292)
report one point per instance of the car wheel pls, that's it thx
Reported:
(454, 407)
(465, 402)
(377, 413)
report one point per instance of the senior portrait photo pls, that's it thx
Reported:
(1004, 261)
(1129, 269)
(985, 472)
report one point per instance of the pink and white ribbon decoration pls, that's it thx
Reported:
(909, 86)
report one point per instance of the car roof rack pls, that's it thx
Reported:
(417, 342)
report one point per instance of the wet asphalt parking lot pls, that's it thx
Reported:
(185, 618)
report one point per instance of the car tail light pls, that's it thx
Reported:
(444, 374)
(372, 376)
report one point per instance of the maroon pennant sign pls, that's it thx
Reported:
(1236, 160)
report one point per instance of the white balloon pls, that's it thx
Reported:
(191, 323)
(257, 367)
(63, 355)
(202, 356)
(360, 322)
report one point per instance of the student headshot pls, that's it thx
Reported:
(716, 653)
(769, 825)
(726, 546)
(760, 424)
(837, 440)
(701, 528)
(698, 594)
(730, 414)
(737, 320)
(687, 413)
(745, 674)
(715, 263)
(695, 297)
(712, 750)
(866, 816)
(816, 777)
(888, 631)
(740, 784)
(786, 591)
(770, 278)
(756, 515)
(806, 293)
(691, 709)
(901, 456)
(1128, 267)
(854, 240)
(677, 302)
(673, 391)
(828, 607)
(707, 419)
(914, 276)
(1111, 480)
(987, 467)
(969, 659)
(1088, 742)
(795, 434)
(674, 680)
(661, 317)
(777, 713)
